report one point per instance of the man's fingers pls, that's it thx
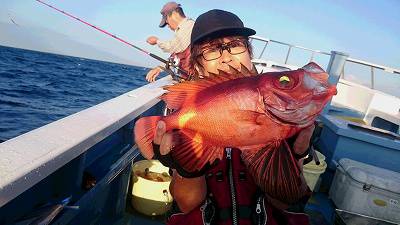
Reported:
(152, 74)
(155, 74)
(152, 40)
(149, 75)
(148, 40)
(166, 144)
(160, 131)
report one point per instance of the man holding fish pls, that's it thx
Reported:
(235, 137)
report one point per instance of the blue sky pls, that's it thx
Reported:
(366, 29)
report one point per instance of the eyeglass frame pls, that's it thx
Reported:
(225, 46)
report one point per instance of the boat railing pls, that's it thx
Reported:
(29, 158)
(313, 53)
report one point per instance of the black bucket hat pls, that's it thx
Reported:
(218, 23)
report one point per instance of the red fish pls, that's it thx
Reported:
(253, 113)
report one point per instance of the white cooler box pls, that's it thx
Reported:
(368, 190)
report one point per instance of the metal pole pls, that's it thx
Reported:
(262, 52)
(335, 68)
(312, 56)
(288, 52)
(342, 74)
(372, 78)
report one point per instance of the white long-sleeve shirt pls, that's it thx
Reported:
(181, 38)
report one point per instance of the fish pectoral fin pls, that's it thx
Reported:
(252, 149)
(276, 171)
(192, 153)
(249, 152)
(249, 116)
(260, 103)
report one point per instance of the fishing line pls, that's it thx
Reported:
(167, 62)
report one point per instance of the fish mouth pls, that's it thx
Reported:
(301, 116)
(300, 112)
(296, 118)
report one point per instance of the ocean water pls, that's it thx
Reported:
(37, 88)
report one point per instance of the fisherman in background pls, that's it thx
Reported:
(173, 16)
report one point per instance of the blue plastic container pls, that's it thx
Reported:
(344, 139)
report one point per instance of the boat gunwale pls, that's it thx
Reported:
(31, 157)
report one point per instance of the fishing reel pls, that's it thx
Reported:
(171, 68)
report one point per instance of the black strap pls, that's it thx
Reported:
(291, 142)
(168, 161)
(300, 156)
(244, 212)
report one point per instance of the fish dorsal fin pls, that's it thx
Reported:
(246, 72)
(180, 93)
(243, 72)
(312, 67)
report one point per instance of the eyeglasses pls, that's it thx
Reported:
(234, 47)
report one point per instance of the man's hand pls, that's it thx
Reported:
(303, 140)
(153, 73)
(163, 138)
(152, 40)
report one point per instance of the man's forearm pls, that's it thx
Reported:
(166, 46)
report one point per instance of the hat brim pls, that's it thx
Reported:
(228, 31)
(163, 21)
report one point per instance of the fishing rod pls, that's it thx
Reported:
(168, 63)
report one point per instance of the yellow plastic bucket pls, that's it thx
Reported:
(150, 196)
(313, 171)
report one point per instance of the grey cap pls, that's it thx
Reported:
(167, 9)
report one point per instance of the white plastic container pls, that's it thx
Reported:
(150, 197)
(312, 171)
(367, 190)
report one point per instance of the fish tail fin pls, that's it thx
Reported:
(276, 171)
(144, 134)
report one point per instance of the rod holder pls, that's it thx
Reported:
(335, 68)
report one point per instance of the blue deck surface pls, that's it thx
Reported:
(320, 209)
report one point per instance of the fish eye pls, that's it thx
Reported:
(284, 80)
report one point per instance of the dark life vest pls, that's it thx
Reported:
(184, 61)
(233, 198)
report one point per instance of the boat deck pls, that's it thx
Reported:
(319, 208)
